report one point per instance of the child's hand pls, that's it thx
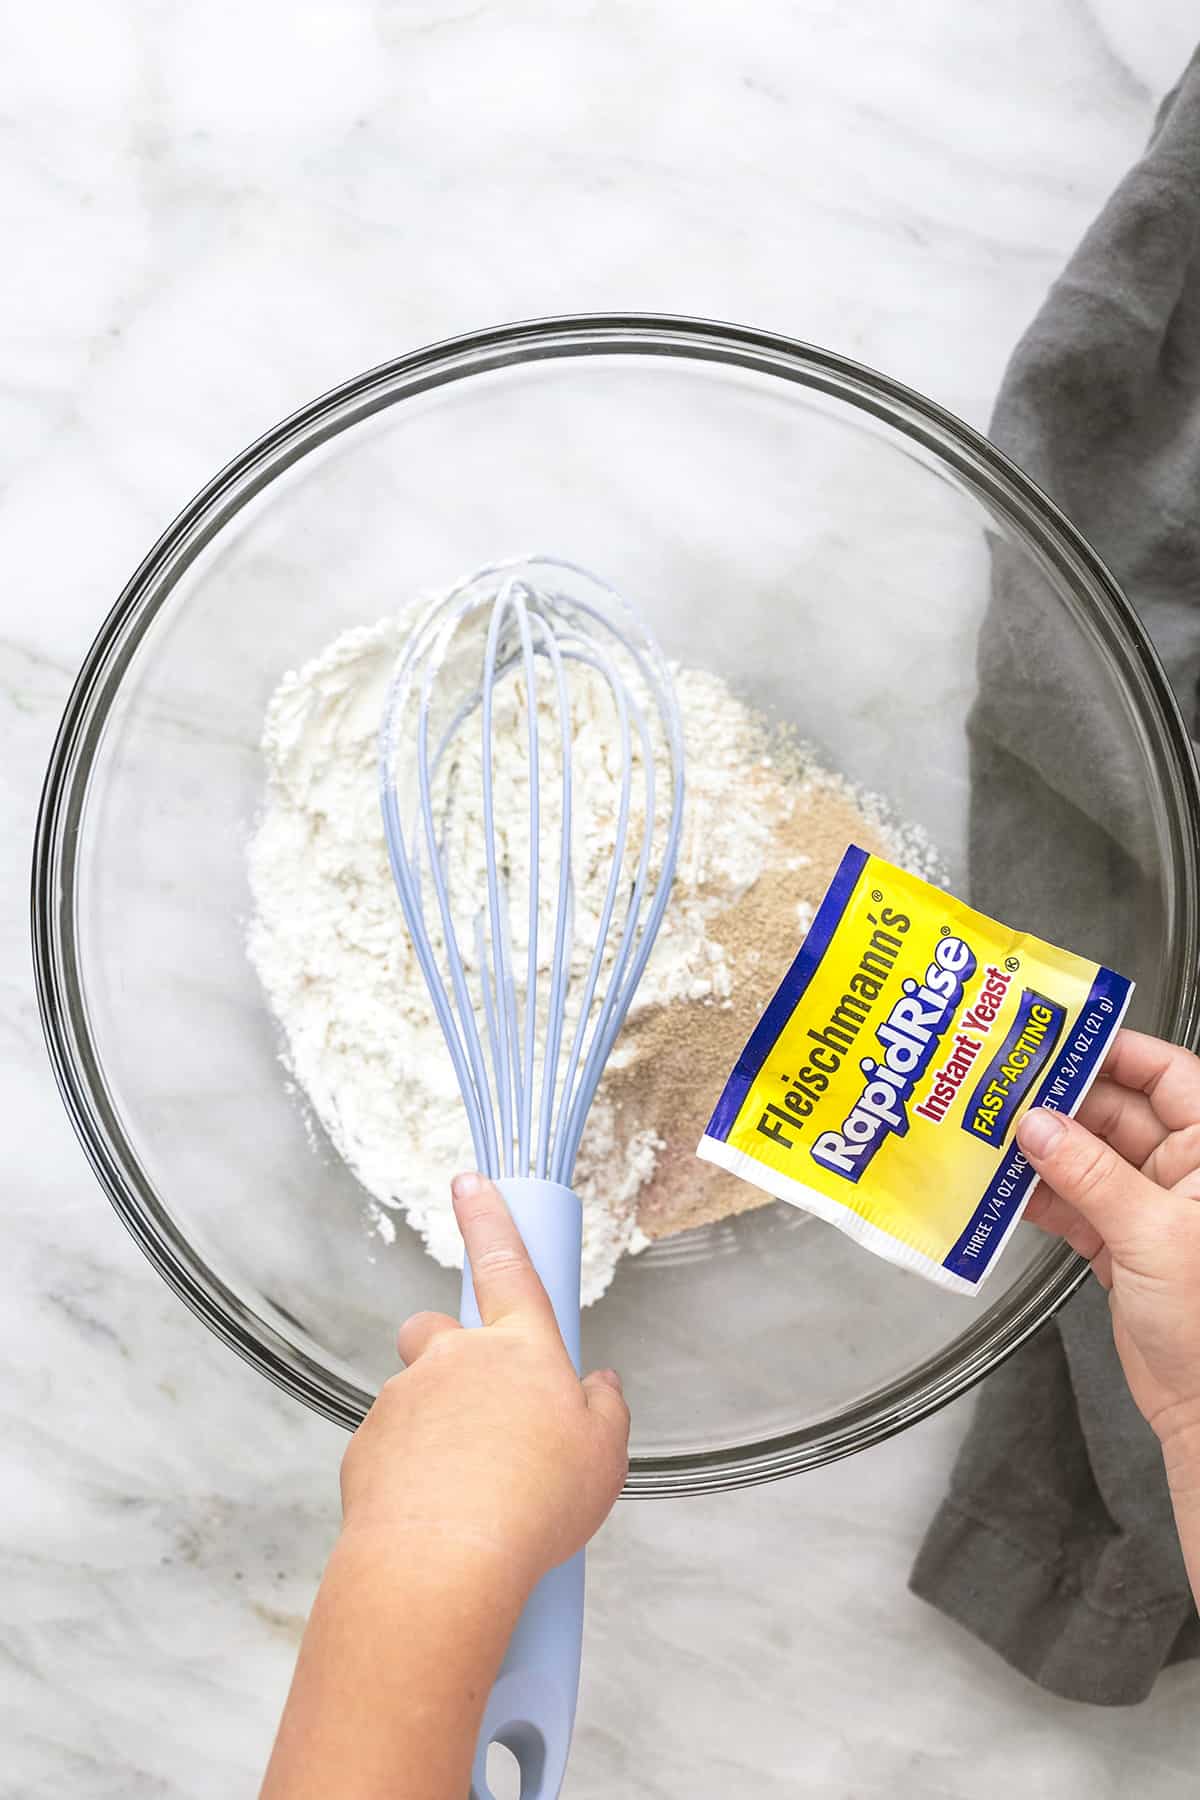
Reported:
(486, 1463)
(489, 1442)
(1122, 1186)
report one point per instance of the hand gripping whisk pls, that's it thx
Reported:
(532, 976)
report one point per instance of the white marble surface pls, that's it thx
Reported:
(212, 213)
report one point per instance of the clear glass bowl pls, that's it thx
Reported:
(840, 549)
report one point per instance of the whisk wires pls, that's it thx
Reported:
(530, 646)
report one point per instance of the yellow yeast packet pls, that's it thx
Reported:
(882, 1085)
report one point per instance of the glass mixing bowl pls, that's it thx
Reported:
(840, 549)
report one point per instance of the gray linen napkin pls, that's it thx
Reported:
(1055, 1544)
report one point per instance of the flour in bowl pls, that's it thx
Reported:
(763, 829)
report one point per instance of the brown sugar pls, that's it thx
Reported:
(684, 1052)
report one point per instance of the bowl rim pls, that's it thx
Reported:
(58, 974)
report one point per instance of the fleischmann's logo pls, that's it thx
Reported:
(833, 1042)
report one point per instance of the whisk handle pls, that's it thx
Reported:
(531, 1709)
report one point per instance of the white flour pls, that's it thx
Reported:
(330, 947)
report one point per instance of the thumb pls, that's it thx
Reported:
(1115, 1198)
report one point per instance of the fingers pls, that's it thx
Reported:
(1123, 1118)
(506, 1283)
(1051, 1213)
(1167, 1075)
(1176, 1162)
(606, 1398)
(606, 1402)
(606, 1378)
(1055, 1216)
(416, 1334)
(1113, 1198)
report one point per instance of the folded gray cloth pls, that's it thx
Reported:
(1055, 1544)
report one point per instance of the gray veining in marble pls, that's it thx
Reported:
(211, 214)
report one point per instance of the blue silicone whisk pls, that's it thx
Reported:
(529, 1001)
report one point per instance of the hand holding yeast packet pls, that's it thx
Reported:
(882, 1086)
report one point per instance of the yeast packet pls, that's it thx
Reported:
(882, 1086)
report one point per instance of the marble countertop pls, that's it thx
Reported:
(212, 214)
